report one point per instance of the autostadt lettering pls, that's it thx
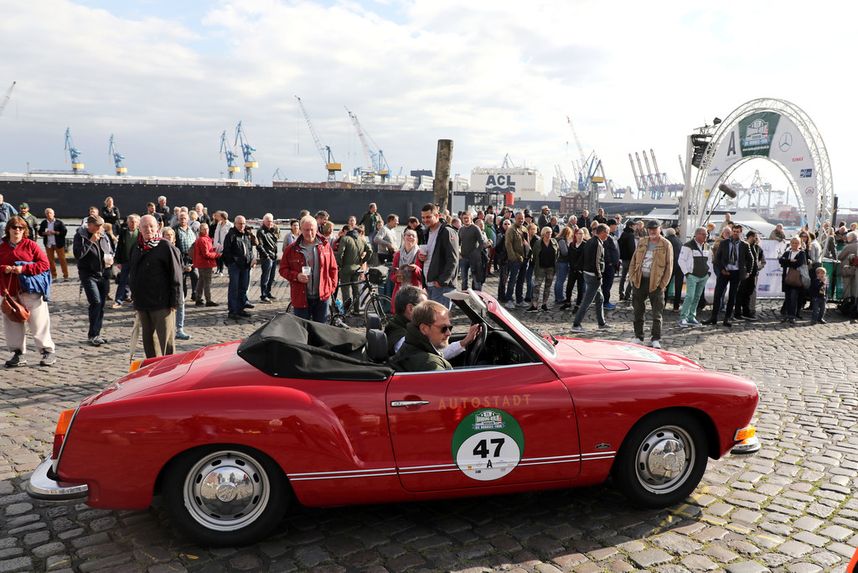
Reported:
(500, 181)
(495, 401)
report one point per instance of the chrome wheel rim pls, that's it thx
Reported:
(226, 491)
(665, 459)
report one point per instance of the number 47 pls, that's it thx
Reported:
(482, 448)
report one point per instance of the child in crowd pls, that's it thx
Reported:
(818, 298)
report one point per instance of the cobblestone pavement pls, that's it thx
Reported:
(791, 507)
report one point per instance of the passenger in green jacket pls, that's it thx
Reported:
(352, 252)
(426, 336)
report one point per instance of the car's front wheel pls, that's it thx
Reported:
(662, 459)
(225, 495)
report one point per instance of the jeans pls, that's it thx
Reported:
(95, 288)
(511, 280)
(656, 301)
(593, 293)
(239, 280)
(607, 282)
(122, 290)
(732, 280)
(266, 279)
(503, 275)
(317, 310)
(562, 273)
(693, 292)
(576, 279)
(193, 277)
(625, 288)
(817, 306)
(437, 294)
(528, 280)
(791, 300)
(464, 267)
(180, 316)
(677, 279)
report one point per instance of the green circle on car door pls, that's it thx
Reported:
(488, 444)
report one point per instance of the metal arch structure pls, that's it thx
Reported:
(703, 200)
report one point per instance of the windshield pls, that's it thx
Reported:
(533, 338)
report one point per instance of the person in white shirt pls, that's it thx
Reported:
(221, 229)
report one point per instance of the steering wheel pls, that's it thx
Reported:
(476, 347)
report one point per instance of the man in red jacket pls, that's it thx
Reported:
(309, 266)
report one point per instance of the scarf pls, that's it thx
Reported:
(147, 245)
(407, 258)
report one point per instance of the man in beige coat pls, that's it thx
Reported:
(650, 272)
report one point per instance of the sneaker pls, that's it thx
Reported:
(183, 336)
(509, 304)
(577, 328)
(272, 297)
(693, 322)
(199, 303)
(211, 303)
(48, 359)
(265, 301)
(637, 341)
(244, 314)
(95, 341)
(544, 308)
(16, 360)
(750, 318)
(565, 306)
(655, 344)
(605, 326)
(609, 306)
(823, 321)
(521, 304)
(116, 305)
(532, 308)
(683, 323)
(248, 305)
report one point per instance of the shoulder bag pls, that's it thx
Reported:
(11, 306)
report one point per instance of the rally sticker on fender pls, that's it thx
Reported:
(488, 444)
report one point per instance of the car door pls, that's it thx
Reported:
(482, 427)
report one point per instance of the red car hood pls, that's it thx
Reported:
(614, 354)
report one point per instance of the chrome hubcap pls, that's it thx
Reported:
(665, 459)
(226, 491)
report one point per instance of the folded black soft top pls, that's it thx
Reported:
(291, 347)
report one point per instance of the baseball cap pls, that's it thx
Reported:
(653, 224)
(23, 206)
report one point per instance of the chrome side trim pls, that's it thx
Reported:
(342, 477)
(40, 486)
(475, 369)
(365, 471)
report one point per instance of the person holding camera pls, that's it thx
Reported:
(311, 269)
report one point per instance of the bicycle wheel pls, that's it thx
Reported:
(380, 306)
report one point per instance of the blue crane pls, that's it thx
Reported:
(74, 153)
(226, 151)
(247, 150)
(117, 157)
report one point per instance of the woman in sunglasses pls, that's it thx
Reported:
(19, 255)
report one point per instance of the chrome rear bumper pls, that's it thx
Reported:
(41, 486)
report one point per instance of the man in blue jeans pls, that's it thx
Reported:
(267, 237)
(514, 244)
(593, 266)
(238, 254)
(94, 255)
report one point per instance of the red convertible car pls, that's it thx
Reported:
(231, 434)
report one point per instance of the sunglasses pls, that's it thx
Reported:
(445, 328)
(18, 227)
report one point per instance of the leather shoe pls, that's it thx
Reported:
(244, 314)
(728, 323)
(709, 322)
(248, 305)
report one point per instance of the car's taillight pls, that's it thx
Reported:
(61, 431)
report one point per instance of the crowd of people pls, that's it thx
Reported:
(169, 256)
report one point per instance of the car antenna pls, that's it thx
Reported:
(553, 339)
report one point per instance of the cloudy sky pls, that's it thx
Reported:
(495, 76)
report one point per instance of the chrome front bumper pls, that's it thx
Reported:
(41, 486)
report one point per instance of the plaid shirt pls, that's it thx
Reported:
(185, 240)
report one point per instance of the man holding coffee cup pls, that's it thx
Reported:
(440, 257)
(94, 255)
(309, 266)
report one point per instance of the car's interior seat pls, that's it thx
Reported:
(376, 345)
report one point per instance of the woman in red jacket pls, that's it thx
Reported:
(407, 268)
(17, 248)
(204, 260)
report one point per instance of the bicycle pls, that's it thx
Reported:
(377, 304)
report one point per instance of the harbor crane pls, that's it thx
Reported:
(117, 157)
(324, 150)
(6, 97)
(582, 157)
(74, 153)
(247, 150)
(229, 154)
(376, 162)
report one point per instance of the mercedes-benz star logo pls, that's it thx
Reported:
(786, 141)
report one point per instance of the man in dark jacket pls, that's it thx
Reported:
(426, 336)
(53, 231)
(612, 263)
(732, 263)
(593, 267)
(238, 257)
(407, 299)
(746, 300)
(156, 281)
(628, 243)
(267, 237)
(678, 276)
(94, 254)
(441, 260)
(126, 243)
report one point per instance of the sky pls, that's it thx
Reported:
(497, 77)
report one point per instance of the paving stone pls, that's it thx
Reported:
(16, 564)
(836, 532)
(698, 563)
(747, 567)
(795, 548)
(650, 557)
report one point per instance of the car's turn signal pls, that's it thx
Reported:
(60, 433)
(745, 433)
(135, 365)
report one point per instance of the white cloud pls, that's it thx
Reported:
(495, 76)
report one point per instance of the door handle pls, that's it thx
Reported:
(408, 403)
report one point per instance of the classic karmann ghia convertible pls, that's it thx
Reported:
(231, 434)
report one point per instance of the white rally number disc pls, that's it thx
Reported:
(488, 455)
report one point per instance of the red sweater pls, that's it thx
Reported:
(27, 250)
(204, 254)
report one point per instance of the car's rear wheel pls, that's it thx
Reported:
(662, 459)
(225, 495)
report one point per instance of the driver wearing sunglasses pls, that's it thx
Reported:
(426, 336)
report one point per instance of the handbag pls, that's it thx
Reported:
(793, 278)
(12, 307)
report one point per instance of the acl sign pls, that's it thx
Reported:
(504, 182)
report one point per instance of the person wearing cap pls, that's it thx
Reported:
(650, 272)
(94, 254)
(24, 213)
